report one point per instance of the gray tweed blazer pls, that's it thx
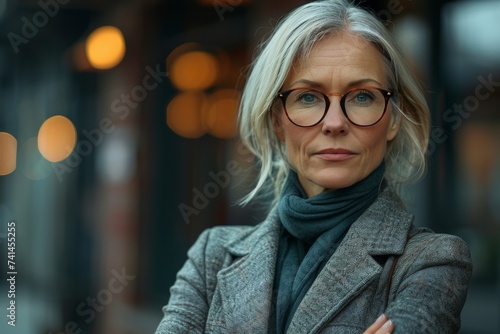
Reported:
(226, 284)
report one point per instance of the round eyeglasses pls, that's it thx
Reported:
(362, 106)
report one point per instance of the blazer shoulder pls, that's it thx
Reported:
(437, 247)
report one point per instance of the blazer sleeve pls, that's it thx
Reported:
(187, 309)
(433, 275)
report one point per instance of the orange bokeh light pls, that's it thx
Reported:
(105, 47)
(8, 153)
(179, 51)
(195, 70)
(222, 114)
(186, 114)
(56, 138)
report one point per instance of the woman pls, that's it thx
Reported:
(338, 122)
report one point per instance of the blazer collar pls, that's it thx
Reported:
(381, 230)
(246, 285)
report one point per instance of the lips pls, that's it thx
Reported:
(335, 154)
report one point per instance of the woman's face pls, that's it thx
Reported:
(336, 153)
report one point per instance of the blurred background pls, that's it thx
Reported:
(118, 147)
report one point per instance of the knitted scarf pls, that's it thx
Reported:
(312, 230)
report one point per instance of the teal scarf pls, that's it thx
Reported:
(312, 229)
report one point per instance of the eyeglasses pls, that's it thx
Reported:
(362, 106)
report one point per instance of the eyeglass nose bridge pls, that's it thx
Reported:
(328, 103)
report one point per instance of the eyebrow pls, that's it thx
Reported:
(350, 84)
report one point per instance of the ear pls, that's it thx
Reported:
(394, 127)
(277, 124)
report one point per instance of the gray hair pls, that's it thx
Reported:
(292, 40)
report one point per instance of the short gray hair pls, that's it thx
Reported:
(293, 39)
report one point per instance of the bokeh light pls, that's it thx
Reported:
(116, 159)
(179, 51)
(105, 47)
(56, 138)
(186, 114)
(222, 114)
(8, 153)
(195, 70)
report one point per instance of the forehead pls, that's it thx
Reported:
(337, 59)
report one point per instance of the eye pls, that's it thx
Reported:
(361, 97)
(307, 97)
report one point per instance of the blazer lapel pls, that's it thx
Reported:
(246, 285)
(381, 230)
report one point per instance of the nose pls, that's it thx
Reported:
(335, 121)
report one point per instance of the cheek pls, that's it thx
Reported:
(296, 140)
(292, 147)
(375, 143)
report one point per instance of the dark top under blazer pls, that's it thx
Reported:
(226, 284)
